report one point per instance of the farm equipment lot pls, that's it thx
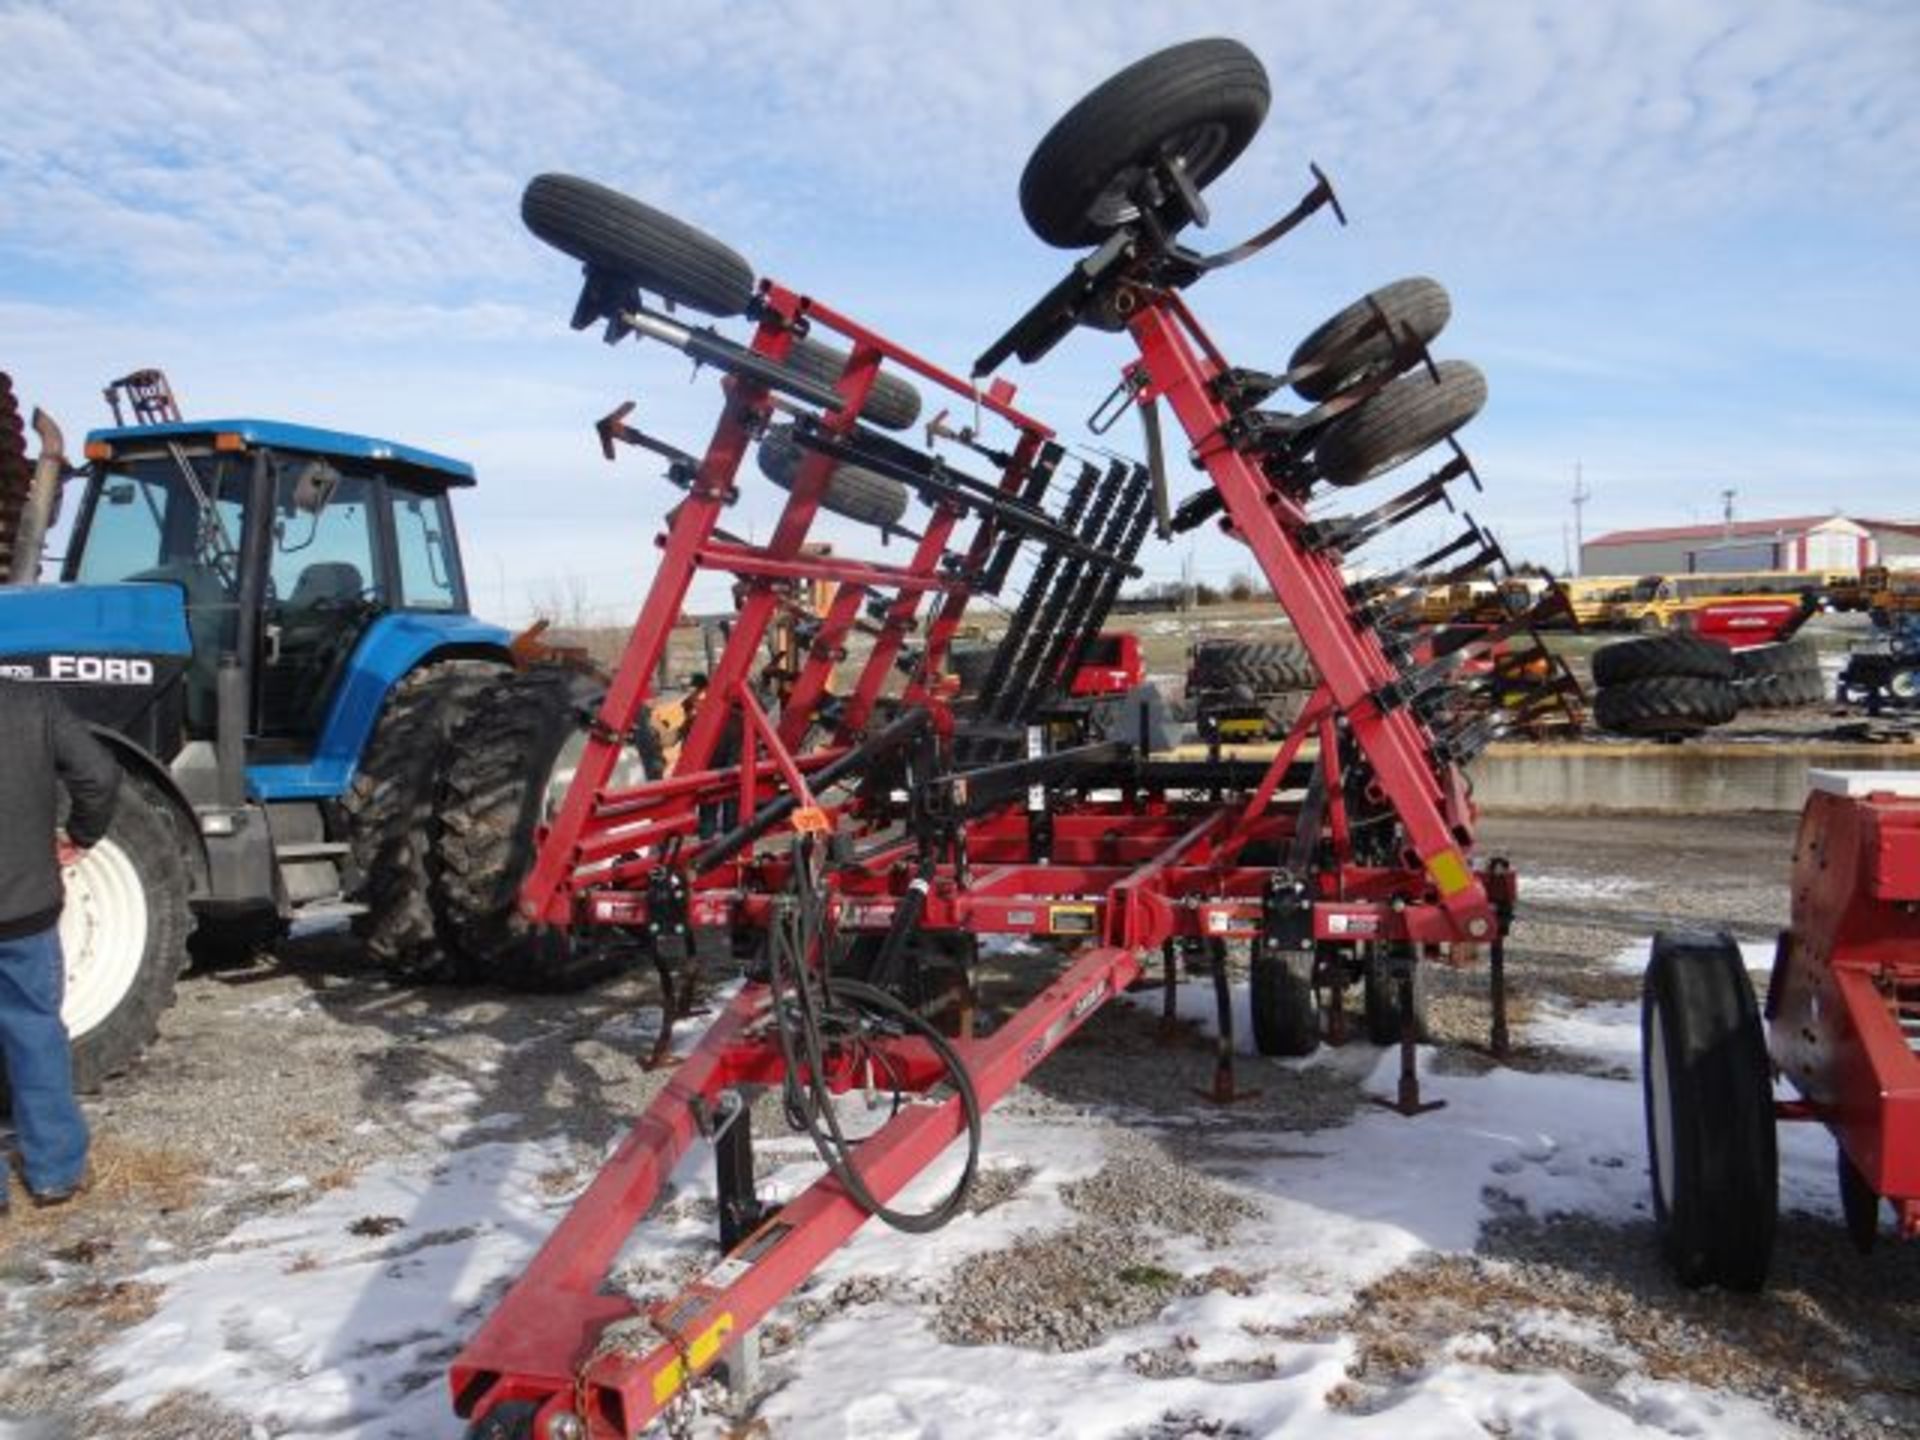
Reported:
(357, 1169)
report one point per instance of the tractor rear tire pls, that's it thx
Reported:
(1200, 103)
(1412, 414)
(392, 812)
(1659, 657)
(498, 784)
(1380, 994)
(1349, 353)
(1665, 706)
(851, 491)
(124, 935)
(16, 474)
(1286, 1011)
(615, 233)
(892, 403)
(1707, 1084)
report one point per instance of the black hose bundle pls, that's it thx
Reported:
(804, 1008)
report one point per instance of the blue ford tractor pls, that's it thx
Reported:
(268, 624)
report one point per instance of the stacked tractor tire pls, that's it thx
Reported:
(1676, 685)
(1237, 677)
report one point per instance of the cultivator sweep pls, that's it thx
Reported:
(851, 830)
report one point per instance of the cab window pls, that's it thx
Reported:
(423, 541)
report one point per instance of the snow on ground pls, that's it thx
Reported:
(339, 1318)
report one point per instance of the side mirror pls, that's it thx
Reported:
(313, 486)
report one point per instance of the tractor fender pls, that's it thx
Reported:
(394, 646)
(136, 759)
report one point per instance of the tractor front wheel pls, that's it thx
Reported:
(123, 934)
(1709, 1108)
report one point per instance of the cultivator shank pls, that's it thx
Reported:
(852, 824)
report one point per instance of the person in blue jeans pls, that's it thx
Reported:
(42, 749)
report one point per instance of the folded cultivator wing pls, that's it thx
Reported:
(849, 822)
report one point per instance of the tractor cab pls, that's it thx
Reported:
(282, 546)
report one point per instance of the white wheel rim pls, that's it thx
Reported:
(103, 936)
(1660, 1092)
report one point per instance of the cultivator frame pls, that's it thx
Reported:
(881, 812)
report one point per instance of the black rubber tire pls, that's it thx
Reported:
(1286, 1010)
(1707, 1088)
(392, 812)
(1380, 994)
(1789, 656)
(1416, 304)
(1202, 101)
(147, 839)
(1785, 690)
(1665, 705)
(1677, 654)
(1410, 415)
(852, 491)
(613, 232)
(1262, 667)
(892, 403)
(492, 796)
(16, 474)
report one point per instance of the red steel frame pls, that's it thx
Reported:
(1844, 1007)
(1122, 878)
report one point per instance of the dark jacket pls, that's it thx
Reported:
(42, 746)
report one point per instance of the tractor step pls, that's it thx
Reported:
(313, 850)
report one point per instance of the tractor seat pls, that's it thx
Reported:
(329, 582)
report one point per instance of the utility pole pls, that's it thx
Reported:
(1581, 494)
(1726, 513)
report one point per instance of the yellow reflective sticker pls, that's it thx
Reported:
(1449, 872)
(704, 1350)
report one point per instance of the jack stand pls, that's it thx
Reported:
(1408, 1101)
(1497, 975)
(1169, 991)
(1223, 1091)
(740, 1209)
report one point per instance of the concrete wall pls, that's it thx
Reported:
(1697, 778)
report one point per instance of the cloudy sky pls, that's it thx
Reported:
(1680, 236)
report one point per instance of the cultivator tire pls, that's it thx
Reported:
(1286, 1010)
(1671, 656)
(1201, 103)
(1666, 705)
(892, 403)
(493, 795)
(1788, 657)
(1707, 1085)
(123, 933)
(392, 812)
(1417, 304)
(1380, 997)
(1261, 667)
(621, 236)
(1412, 414)
(1785, 690)
(854, 492)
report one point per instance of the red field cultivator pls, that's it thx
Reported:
(1841, 1025)
(850, 828)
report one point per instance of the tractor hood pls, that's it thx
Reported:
(67, 632)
